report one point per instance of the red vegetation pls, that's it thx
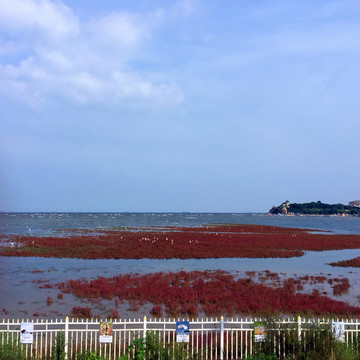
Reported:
(212, 292)
(45, 283)
(156, 311)
(342, 287)
(81, 312)
(60, 296)
(37, 314)
(219, 241)
(113, 314)
(348, 263)
(49, 301)
(45, 286)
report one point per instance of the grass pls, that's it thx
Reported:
(348, 263)
(11, 349)
(221, 241)
(214, 293)
(319, 343)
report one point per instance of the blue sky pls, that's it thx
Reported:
(189, 105)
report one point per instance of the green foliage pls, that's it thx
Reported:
(261, 356)
(94, 356)
(343, 351)
(11, 349)
(59, 347)
(317, 344)
(152, 348)
(317, 208)
(138, 346)
(88, 355)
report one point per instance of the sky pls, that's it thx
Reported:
(184, 105)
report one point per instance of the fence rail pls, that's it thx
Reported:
(214, 338)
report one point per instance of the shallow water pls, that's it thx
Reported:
(40, 223)
(19, 294)
(16, 276)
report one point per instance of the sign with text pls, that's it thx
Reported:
(106, 332)
(260, 331)
(182, 331)
(26, 332)
(338, 329)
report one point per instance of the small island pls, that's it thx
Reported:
(316, 208)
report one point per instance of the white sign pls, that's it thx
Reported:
(338, 329)
(26, 332)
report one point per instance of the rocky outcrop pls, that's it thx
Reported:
(281, 209)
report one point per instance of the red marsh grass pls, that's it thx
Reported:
(347, 263)
(211, 292)
(215, 241)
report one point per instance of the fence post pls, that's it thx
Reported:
(222, 338)
(144, 328)
(299, 327)
(66, 336)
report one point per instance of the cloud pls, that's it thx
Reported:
(119, 29)
(57, 54)
(39, 16)
(132, 86)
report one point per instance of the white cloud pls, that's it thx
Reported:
(56, 59)
(14, 86)
(43, 15)
(132, 86)
(84, 61)
(28, 69)
(87, 82)
(127, 85)
(123, 29)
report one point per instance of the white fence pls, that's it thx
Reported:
(212, 338)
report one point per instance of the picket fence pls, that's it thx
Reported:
(213, 338)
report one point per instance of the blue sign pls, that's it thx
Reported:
(182, 331)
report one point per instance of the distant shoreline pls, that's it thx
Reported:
(315, 215)
(315, 209)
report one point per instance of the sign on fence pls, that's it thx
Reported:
(338, 329)
(26, 332)
(216, 339)
(260, 331)
(182, 331)
(106, 331)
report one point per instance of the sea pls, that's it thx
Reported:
(44, 223)
(20, 277)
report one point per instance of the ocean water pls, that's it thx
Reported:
(43, 223)
(21, 296)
